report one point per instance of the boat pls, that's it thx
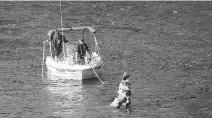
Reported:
(67, 66)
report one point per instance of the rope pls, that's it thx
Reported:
(97, 75)
(62, 29)
(43, 60)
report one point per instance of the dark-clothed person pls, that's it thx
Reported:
(56, 42)
(82, 48)
(83, 51)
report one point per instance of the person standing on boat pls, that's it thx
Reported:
(60, 44)
(83, 51)
(57, 41)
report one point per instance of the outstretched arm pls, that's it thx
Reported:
(65, 40)
(45, 41)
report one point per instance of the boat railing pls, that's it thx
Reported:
(72, 60)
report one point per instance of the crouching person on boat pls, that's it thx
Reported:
(83, 52)
(124, 93)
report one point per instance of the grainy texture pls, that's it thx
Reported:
(165, 46)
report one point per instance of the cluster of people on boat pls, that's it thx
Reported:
(82, 52)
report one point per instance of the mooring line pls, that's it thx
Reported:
(97, 75)
(43, 60)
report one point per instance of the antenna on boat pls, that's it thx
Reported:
(62, 30)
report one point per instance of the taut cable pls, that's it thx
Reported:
(43, 60)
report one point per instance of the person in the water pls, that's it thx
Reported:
(124, 93)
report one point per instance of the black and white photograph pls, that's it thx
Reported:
(105, 59)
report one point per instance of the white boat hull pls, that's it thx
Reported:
(74, 72)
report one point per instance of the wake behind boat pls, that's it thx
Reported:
(71, 59)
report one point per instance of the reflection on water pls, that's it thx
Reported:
(65, 94)
(70, 97)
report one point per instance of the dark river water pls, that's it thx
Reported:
(165, 46)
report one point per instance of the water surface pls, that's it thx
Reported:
(165, 46)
